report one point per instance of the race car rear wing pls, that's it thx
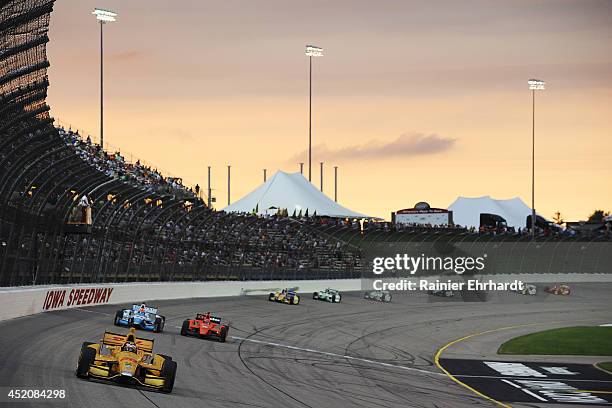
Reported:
(147, 309)
(202, 316)
(115, 339)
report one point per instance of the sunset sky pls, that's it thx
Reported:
(413, 100)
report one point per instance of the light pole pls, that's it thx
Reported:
(301, 168)
(336, 183)
(229, 178)
(534, 85)
(321, 176)
(209, 190)
(311, 51)
(103, 16)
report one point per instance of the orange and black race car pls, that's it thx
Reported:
(563, 290)
(205, 326)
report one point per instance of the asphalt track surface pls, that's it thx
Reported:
(358, 353)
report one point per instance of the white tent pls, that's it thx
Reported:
(466, 210)
(293, 192)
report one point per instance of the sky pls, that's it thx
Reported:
(412, 100)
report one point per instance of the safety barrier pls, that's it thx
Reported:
(24, 301)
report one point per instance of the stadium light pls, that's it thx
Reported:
(534, 85)
(311, 51)
(103, 16)
(106, 16)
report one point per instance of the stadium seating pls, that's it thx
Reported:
(72, 212)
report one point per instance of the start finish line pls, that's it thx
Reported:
(545, 382)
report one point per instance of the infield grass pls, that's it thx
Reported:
(573, 341)
(606, 366)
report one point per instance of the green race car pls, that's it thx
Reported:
(329, 295)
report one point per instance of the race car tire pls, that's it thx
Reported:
(223, 334)
(165, 357)
(118, 317)
(168, 372)
(315, 295)
(158, 327)
(295, 300)
(86, 359)
(333, 299)
(271, 297)
(185, 328)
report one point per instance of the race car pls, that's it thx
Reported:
(379, 295)
(329, 295)
(441, 293)
(563, 290)
(142, 317)
(205, 326)
(287, 296)
(126, 359)
(528, 289)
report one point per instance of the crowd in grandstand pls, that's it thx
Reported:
(204, 239)
(550, 230)
(115, 165)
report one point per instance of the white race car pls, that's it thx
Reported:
(379, 295)
(528, 289)
(329, 295)
(441, 293)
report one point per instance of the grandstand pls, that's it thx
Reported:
(71, 212)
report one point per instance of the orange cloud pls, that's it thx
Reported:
(407, 144)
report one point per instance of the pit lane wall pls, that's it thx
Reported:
(24, 301)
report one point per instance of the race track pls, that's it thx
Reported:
(290, 356)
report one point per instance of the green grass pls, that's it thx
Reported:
(606, 366)
(574, 341)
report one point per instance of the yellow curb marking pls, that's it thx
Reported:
(452, 377)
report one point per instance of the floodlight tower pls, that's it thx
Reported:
(534, 85)
(103, 16)
(311, 51)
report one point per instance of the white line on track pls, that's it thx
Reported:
(91, 311)
(512, 384)
(526, 391)
(547, 379)
(326, 353)
(533, 394)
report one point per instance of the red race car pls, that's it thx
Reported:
(205, 326)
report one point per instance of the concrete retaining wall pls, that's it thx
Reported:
(24, 301)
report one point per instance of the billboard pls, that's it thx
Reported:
(429, 216)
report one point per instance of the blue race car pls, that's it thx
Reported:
(140, 316)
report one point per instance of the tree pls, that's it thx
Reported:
(558, 218)
(598, 215)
